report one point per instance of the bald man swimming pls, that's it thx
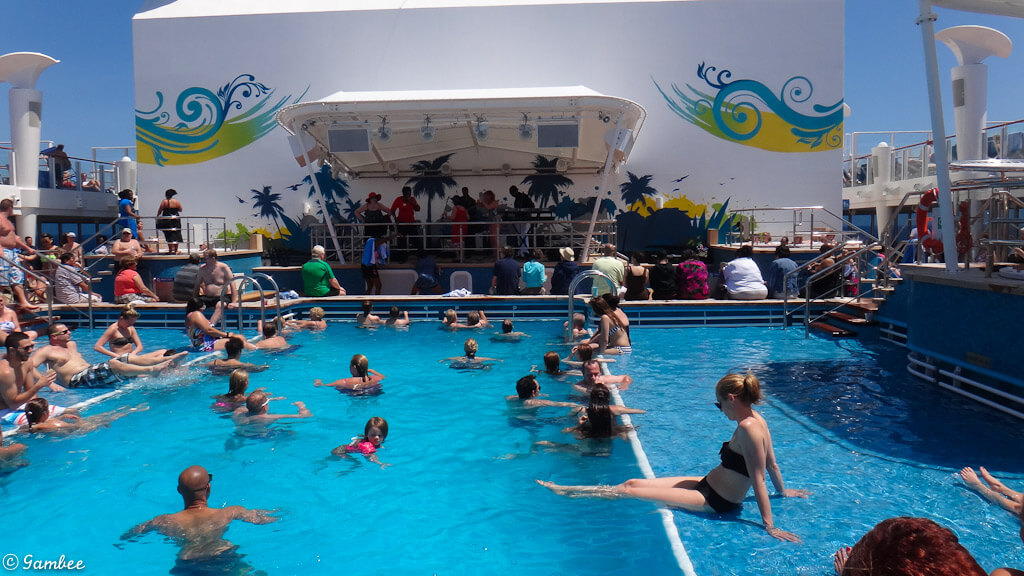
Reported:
(199, 529)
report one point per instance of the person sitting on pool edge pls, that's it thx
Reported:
(528, 395)
(199, 529)
(746, 458)
(233, 348)
(73, 371)
(255, 411)
(316, 320)
(318, 278)
(508, 332)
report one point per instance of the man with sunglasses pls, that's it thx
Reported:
(74, 371)
(199, 528)
(18, 378)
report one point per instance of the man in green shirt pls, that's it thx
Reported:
(318, 278)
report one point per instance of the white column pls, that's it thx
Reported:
(26, 106)
(881, 157)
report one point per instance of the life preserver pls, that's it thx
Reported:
(930, 239)
(963, 234)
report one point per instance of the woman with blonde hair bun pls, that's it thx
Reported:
(362, 376)
(746, 458)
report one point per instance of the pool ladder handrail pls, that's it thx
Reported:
(46, 282)
(243, 281)
(572, 293)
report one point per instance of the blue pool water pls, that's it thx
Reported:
(459, 498)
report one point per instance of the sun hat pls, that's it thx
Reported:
(71, 234)
(372, 196)
(567, 253)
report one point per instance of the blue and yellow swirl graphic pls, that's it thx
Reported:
(747, 112)
(201, 128)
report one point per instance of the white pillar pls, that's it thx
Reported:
(881, 157)
(26, 107)
(971, 45)
(944, 223)
(125, 171)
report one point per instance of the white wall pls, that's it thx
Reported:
(617, 49)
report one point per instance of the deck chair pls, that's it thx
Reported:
(460, 279)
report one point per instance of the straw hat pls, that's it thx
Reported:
(567, 253)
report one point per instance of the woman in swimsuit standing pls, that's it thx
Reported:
(745, 459)
(125, 345)
(612, 336)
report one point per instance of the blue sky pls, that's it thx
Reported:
(88, 97)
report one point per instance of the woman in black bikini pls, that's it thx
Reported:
(124, 343)
(745, 459)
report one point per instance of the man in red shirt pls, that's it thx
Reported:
(404, 208)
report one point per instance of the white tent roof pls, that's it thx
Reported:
(492, 131)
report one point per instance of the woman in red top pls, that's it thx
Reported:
(128, 286)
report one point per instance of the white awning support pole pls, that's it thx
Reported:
(926, 20)
(320, 200)
(597, 197)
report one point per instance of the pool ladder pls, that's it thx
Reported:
(572, 293)
(244, 281)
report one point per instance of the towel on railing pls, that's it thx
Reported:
(458, 293)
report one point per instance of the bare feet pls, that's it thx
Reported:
(840, 558)
(970, 478)
(992, 481)
(318, 382)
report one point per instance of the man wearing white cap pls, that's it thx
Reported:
(126, 245)
(71, 246)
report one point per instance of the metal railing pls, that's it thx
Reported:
(1002, 140)
(572, 293)
(239, 283)
(39, 278)
(488, 237)
(197, 232)
(841, 255)
(806, 226)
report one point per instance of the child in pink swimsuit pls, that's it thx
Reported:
(374, 433)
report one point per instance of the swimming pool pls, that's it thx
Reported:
(459, 497)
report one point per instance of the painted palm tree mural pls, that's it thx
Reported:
(545, 186)
(429, 181)
(266, 202)
(636, 189)
(334, 190)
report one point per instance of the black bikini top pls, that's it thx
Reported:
(732, 460)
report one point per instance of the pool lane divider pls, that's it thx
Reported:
(668, 521)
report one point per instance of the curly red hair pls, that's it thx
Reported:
(911, 547)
